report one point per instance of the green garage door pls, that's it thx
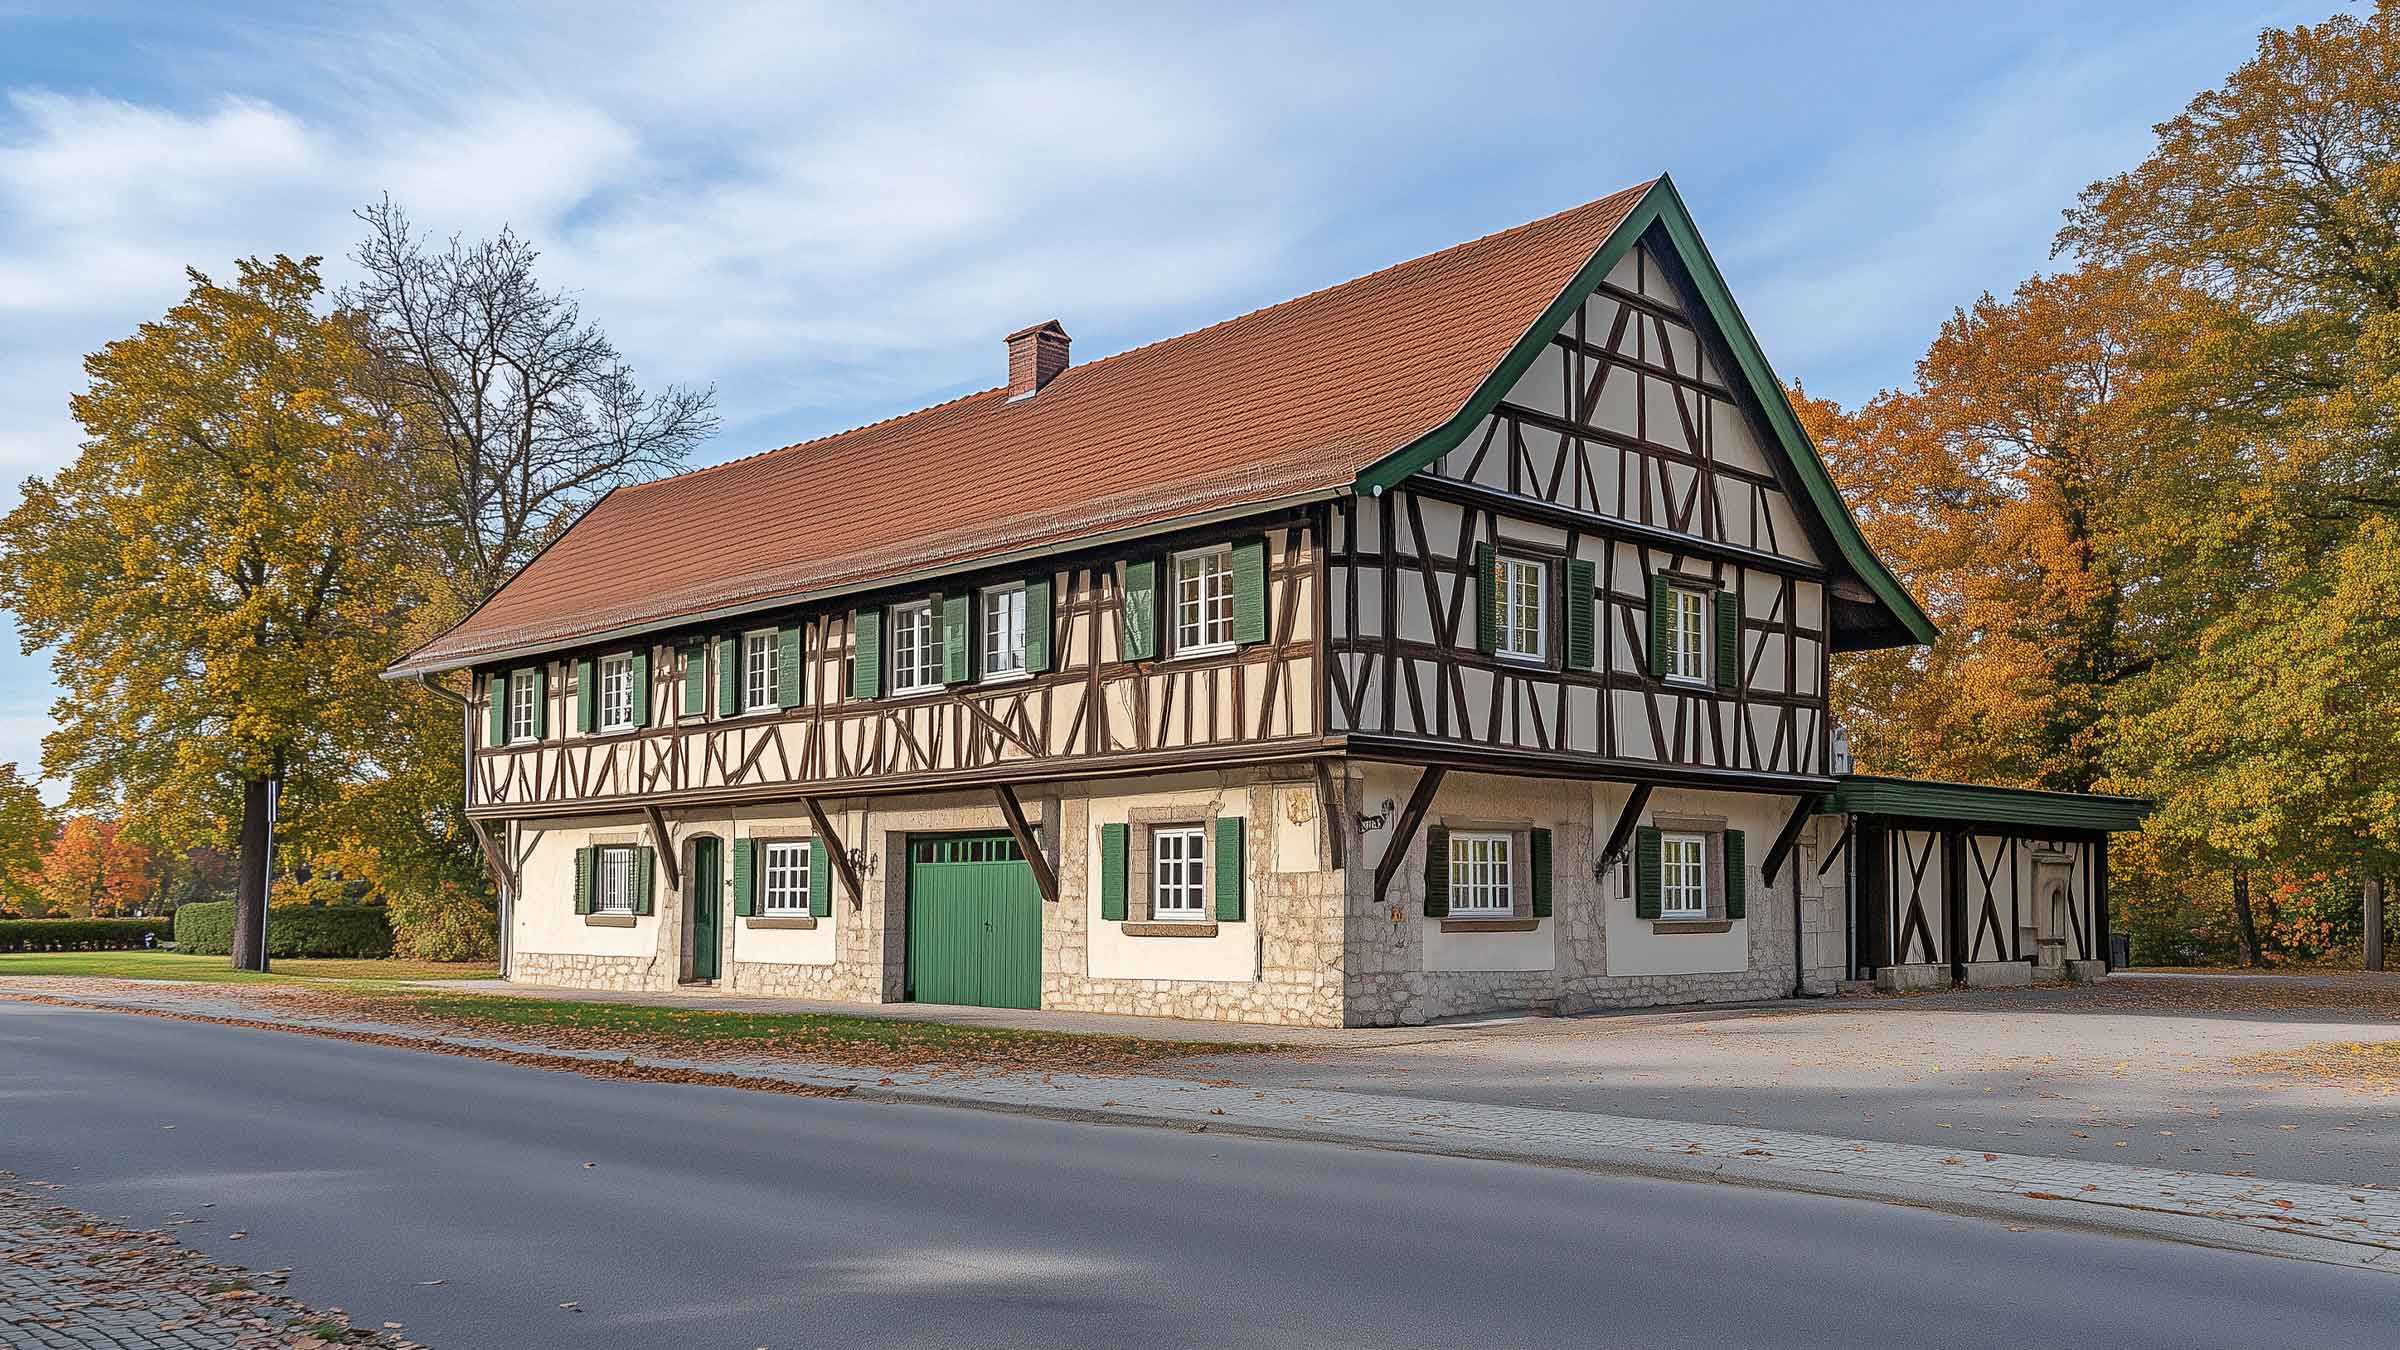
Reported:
(974, 923)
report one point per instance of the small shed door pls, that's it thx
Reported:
(974, 923)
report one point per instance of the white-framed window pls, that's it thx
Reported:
(1522, 632)
(1004, 631)
(616, 692)
(758, 671)
(1481, 878)
(612, 882)
(524, 696)
(916, 648)
(1683, 876)
(1179, 873)
(1203, 582)
(1687, 634)
(783, 879)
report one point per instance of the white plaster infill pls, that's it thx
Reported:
(2343, 1225)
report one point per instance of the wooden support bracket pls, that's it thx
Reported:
(1622, 833)
(666, 846)
(494, 860)
(1329, 806)
(1404, 834)
(1787, 838)
(1834, 854)
(1027, 843)
(832, 844)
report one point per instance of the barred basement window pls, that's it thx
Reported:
(524, 694)
(613, 881)
(1004, 631)
(1687, 635)
(1178, 873)
(1204, 601)
(785, 887)
(616, 692)
(916, 649)
(758, 671)
(1683, 876)
(1481, 880)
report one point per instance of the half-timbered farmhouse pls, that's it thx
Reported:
(1451, 639)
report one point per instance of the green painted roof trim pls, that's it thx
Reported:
(1662, 205)
(1975, 804)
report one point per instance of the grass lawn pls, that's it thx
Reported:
(158, 965)
(798, 1033)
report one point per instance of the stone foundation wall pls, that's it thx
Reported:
(573, 970)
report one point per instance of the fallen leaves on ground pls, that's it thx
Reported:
(2371, 1066)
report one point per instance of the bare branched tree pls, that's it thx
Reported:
(520, 413)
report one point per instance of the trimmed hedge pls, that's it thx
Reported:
(292, 930)
(78, 935)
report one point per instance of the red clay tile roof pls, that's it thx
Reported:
(1289, 401)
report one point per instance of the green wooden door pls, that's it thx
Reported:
(708, 899)
(974, 923)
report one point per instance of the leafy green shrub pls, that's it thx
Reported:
(292, 930)
(447, 923)
(77, 935)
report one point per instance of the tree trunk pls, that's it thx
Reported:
(2374, 923)
(250, 880)
(2243, 917)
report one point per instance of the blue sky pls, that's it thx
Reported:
(833, 213)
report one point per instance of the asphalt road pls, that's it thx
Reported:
(714, 1217)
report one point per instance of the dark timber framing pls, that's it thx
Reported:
(838, 855)
(1404, 833)
(1013, 813)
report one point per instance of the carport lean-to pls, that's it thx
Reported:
(1962, 883)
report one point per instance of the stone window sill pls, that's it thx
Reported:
(1490, 925)
(780, 921)
(611, 920)
(1666, 926)
(1170, 929)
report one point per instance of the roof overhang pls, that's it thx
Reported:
(1976, 804)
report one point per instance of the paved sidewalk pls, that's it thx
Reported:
(2357, 1226)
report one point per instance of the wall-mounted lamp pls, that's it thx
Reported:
(1379, 819)
(861, 863)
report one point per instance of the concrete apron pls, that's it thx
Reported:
(2331, 1224)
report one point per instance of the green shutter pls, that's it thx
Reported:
(497, 686)
(820, 877)
(1646, 868)
(791, 645)
(1729, 639)
(866, 653)
(1112, 873)
(1582, 650)
(1487, 600)
(1037, 625)
(1229, 869)
(584, 860)
(645, 871)
(1437, 872)
(745, 877)
(541, 702)
(1737, 879)
(695, 679)
(1250, 589)
(958, 648)
(1541, 873)
(641, 686)
(587, 695)
(1139, 641)
(1658, 626)
(729, 676)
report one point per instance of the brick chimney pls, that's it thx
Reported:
(1036, 355)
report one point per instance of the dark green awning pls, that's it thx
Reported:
(1975, 804)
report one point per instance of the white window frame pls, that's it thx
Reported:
(924, 646)
(783, 877)
(615, 695)
(1002, 650)
(612, 880)
(1483, 883)
(1524, 586)
(1682, 875)
(526, 689)
(1206, 629)
(1687, 635)
(1179, 874)
(759, 657)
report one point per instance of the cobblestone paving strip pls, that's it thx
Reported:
(71, 1279)
(2363, 1220)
